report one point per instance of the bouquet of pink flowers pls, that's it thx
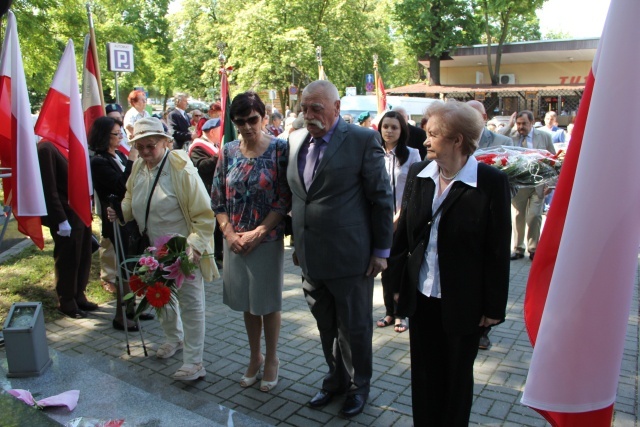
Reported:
(160, 272)
(525, 167)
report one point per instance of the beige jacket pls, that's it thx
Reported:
(195, 206)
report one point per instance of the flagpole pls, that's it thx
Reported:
(94, 49)
(375, 76)
(319, 59)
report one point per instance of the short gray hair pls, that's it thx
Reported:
(178, 96)
(324, 86)
(459, 118)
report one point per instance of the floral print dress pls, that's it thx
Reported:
(247, 189)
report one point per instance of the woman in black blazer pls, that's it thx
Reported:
(449, 263)
(110, 170)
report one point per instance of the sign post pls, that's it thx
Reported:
(119, 58)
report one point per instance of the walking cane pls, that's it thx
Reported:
(120, 259)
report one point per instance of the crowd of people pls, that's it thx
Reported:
(410, 203)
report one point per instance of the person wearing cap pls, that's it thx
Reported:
(179, 205)
(204, 152)
(364, 119)
(115, 112)
(204, 155)
(138, 101)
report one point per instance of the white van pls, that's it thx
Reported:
(355, 105)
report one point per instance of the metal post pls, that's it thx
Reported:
(117, 90)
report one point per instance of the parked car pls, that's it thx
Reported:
(355, 105)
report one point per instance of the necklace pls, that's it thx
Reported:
(447, 178)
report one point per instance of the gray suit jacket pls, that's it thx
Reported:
(491, 139)
(348, 210)
(541, 141)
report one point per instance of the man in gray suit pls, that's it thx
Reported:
(529, 202)
(488, 139)
(342, 219)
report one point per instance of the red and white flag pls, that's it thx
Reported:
(381, 94)
(581, 282)
(18, 149)
(61, 121)
(91, 103)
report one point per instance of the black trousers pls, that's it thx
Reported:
(343, 309)
(441, 368)
(72, 263)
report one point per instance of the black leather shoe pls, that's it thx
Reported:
(143, 316)
(484, 342)
(88, 306)
(322, 398)
(120, 327)
(531, 255)
(516, 255)
(353, 405)
(74, 314)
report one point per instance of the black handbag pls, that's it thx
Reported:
(138, 241)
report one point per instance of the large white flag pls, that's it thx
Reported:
(581, 282)
(18, 150)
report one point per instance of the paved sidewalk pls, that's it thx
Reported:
(500, 372)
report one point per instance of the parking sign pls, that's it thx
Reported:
(120, 57)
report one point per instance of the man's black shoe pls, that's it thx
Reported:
(516, 255)
(74, 314)
(531, 255)
(484, 342)
(321, 398)
(88, 306)
(353, 405)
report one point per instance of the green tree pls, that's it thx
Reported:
(504, 21)
(433, 27)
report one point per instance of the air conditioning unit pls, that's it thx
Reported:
(507, 79)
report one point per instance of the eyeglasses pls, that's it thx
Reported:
(251, 120)
(197, 115)
(142, 147)
(118, 134)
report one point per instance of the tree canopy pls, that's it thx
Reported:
(270, 43)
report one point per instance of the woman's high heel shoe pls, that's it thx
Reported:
(267, 386)
(246, 381)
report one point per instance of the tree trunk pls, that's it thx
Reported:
(434, 70)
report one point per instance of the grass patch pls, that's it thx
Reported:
(29, 276)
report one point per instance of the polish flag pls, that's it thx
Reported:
(91, 103)
(18, 149)
(581, 282)
(381, 95)
(61, 121)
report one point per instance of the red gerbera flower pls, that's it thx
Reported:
(137, 285)
(158, 295)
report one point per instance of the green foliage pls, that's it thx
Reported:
(507, 21)
(432, 27)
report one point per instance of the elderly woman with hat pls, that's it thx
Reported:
(179, 204)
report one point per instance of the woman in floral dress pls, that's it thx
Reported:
(250, 197)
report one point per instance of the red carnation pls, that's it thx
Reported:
(137, 285)
(158, 295)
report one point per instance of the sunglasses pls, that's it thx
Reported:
(141, 147)
(251, 120)
(118, 134)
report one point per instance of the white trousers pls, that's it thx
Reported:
(186, 322)
(107, 261)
